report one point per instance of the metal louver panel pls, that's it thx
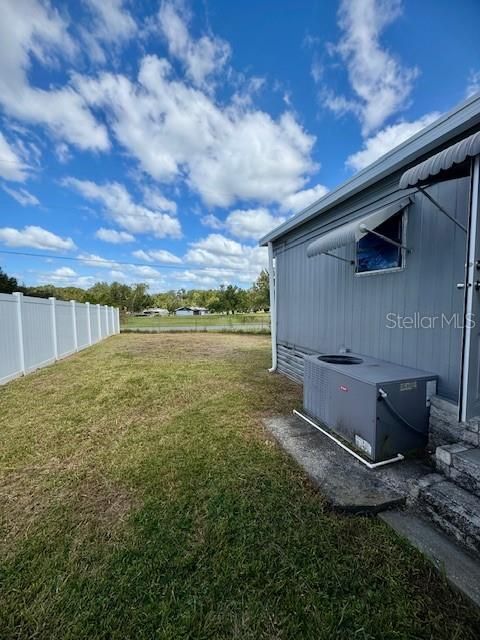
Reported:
(352, 231)
(442, 161)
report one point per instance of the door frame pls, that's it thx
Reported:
(473, 232)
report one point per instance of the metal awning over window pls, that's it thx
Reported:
(355, 230)
(441, 164)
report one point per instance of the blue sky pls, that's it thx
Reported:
(157, 141)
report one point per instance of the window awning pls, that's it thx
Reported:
(433, 168)
(355, 230)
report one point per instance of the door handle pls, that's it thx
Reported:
(460, 285)
(477, 285)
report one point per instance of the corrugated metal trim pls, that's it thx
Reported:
(443, 161)
(457, 122)
(290, 363)
(351, 231)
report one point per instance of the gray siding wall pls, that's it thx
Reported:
(323, 305)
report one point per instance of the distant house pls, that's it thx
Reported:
(190, 311)
(155, 312)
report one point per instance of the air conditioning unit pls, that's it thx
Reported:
(380, 408)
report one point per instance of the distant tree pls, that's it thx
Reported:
(44, 291)
(226, 299)
(139, 298)
(8, 284)
(244, 301)
(215, 304)
(167, 300)
(119, 295)
(51, 291)
(229, 298)
(99, 293)
(260, 292)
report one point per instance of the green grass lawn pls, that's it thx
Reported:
(209, 319)
(142, 498)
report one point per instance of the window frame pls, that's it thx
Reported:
(403, 252)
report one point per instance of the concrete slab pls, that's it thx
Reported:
(461, 569)
(347, 485)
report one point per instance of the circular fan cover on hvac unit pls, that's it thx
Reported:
(340, 359)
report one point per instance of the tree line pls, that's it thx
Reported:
(135, 298)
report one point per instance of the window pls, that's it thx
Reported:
(375, 254)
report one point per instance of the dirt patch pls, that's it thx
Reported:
(192, 346)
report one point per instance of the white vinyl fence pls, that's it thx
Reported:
(35, 332)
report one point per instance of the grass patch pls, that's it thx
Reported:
(208, 320)
(140, 497)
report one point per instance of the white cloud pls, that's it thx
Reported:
(316, 70)
(120, 207)
(110, 24)
(35, 237)
(296, 202)
(140, 254)
(212, 221)
(64, 272)
(160, 255)
(22, 196)
(113, 236)
(201, 58)
(379, 81)
(118, 275)
(156, 200)
(387, 139)
(473, 83)
(62, 151)
(92, 260)
(32, 29)
(339, 104)
(219, 245)
(218, 251)
(224, 152)
(145, 272)
(157, 255)
(12, 166)
(251, 224)
(65, 276)
(198, 279)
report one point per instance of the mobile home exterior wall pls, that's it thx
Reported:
(322, 305)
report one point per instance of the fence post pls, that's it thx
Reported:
(89, 328)
(21, 348)
(118, 320)
(99, 318)
(74, 322)
(54, 328)
(106, 320)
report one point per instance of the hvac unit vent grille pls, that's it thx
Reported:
(317, 388)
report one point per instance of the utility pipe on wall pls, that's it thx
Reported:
(273, 307)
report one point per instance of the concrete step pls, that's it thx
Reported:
(465, 469)
(452, 508)
(460, 463)
(445, 428)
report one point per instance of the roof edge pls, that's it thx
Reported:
(453, 123)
